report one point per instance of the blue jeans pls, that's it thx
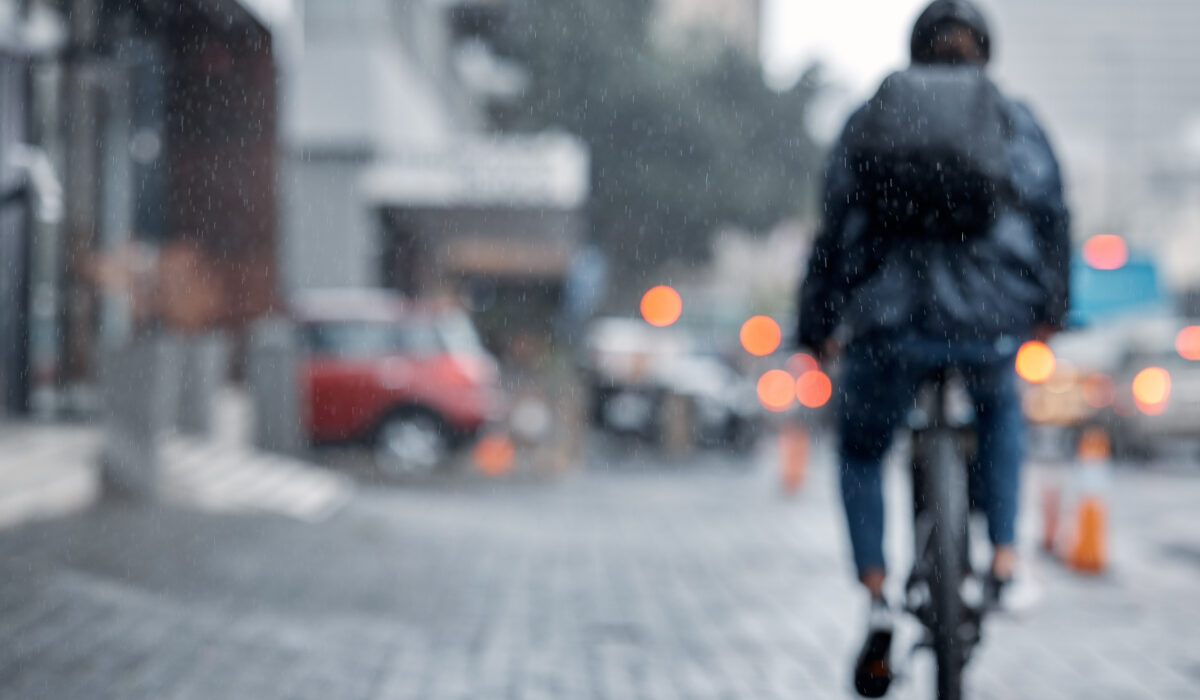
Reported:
(879, 382)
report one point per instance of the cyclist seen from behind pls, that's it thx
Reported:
(944, 243)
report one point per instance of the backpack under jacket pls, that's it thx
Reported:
(930, 152)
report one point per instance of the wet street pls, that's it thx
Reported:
(628, 577)
(483, 349)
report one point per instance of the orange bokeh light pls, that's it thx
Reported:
(776, 390)
(661, 306)
(813, 388)
(1106, 252)
(1035, 362)
(800, 363)
(761, 335)
(1151, 389)
(494, 454)
(1188, 343)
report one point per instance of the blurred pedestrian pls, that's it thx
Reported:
(944, 243)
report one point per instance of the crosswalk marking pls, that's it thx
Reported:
(45, 472)
(48, 471)
(232, 478)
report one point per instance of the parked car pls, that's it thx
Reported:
(409, 379)
(1081, 387)
(1111, 311)
(1093, 385)
(1157, 394)
(632, 368)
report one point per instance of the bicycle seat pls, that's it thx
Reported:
(942, 400)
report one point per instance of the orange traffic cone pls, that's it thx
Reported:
(1051, 502)
(1094, 446)
(1087, 545)
(793, 452)
(494, 454)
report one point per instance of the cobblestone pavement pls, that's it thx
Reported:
(627, 580)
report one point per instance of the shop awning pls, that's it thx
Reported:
(270, 15)
(40, 32)
(544, 171)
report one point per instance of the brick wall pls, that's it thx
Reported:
(221, 141)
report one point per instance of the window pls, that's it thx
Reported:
(360, 340)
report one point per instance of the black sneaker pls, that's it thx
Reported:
(873, 670)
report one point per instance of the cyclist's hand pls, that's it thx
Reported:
(828, 350)
(1043, 332)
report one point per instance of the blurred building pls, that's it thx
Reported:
(1118, 85)
(132, 127)
(393, 177)
(30, 35)
(710, 24)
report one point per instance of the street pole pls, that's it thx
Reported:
(82, 134)
(22, 380)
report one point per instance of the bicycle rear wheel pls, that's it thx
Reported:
(946, 496)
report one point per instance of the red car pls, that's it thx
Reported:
(411, 379)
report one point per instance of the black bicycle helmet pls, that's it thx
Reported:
(939, 14)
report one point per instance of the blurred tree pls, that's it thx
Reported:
(681, 145)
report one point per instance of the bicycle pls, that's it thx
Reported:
(941, 509)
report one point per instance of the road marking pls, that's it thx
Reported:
(228, 478)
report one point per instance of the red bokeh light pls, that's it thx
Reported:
(800, 363)
(1099, 391)
(661, 306)
(1106, 252)
(776, 390)
(813, 389)
(760, 335)
(1188, 343)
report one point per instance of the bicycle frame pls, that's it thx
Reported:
(941, 504)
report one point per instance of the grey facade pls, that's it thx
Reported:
(390, 164)
(31, 35)
(134, 135)
(1118, 85)
(14, 238)
(369, 82)
(722, 24)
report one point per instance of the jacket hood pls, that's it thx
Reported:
(942, 12)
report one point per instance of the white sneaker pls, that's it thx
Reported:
(880, 616)
(1016, 595)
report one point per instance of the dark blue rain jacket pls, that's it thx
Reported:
(1005, 281)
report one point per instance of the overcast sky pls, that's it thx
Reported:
(859, 40)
